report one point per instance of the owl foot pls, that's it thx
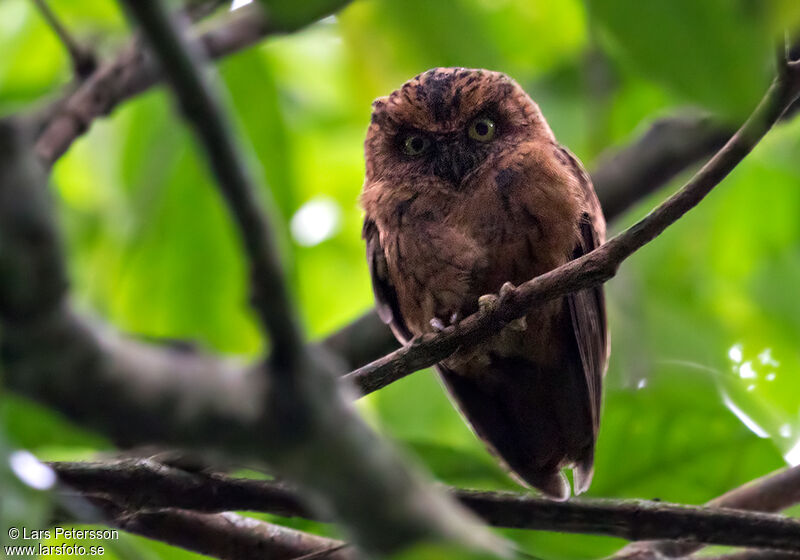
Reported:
(506, 288)
(439, 325)
(488, 302)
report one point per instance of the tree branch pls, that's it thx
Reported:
(212, 413)
(93, 337)
(112, 365)
(592, 269)
(667, 148)
(133, 72)
(83, 60)
(296, 425)
(223, 535)
(771, 493)
(753, 555)
(145, 484)
(199, 102)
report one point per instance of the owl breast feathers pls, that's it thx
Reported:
(467, 189)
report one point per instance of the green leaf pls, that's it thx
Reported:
(716, 53)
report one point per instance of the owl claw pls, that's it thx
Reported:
(437, 324)
(506, 288)
(487, 302)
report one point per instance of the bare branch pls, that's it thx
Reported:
(296, 426)
(754, 555)
(621, 179)
(199, 102)
(223, 535)
(83, 59)
(147, 484)
(667, 148)
(142, 484)
(591, 269)
(133, 72)
(771, 493)
(361, 341)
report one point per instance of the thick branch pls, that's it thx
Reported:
(113, 384)
(143, 484)
(592, 269)
(199, 101)
(771, 493)
(304, 396)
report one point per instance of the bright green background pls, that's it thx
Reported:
(702, 390)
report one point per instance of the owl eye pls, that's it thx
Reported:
(415, 144)
(482, 129)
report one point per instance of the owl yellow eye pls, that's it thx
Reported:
(482, 129)
(415, 144)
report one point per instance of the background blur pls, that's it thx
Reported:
(703, 382)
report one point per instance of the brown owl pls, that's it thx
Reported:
(466, 190)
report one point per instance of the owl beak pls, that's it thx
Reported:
(452, 162)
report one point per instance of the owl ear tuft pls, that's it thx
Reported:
(380, 103)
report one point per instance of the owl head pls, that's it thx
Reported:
(447, 124)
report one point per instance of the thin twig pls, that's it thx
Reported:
(131, 72)
(142, 484)
(83, 59)
(199, 101)
(592, 269)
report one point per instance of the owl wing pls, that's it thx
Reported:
(588, 308)
(385, 294)
(588, 312)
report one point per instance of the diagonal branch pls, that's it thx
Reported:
(663, 151)
(144, 484)
(201, 106)
(131, 391)
(593, 268)
(131, 72)
(668, 147)
(223, 535)
(312, 422)
(83, 59)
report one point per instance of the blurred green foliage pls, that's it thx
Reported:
(703, 382)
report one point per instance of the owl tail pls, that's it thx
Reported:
(536, 420)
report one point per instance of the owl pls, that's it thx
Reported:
(467, 192)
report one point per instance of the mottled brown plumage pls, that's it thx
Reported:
(467, 189)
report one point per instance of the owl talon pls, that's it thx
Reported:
(455, 318)
(437, 324)
(487, 302)
(506, 288)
